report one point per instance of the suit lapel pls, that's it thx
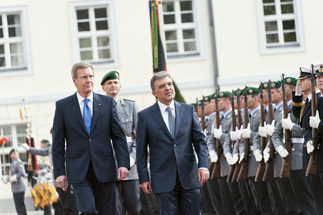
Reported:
(157, 115)
(96, 110)
(178, 116)
(75, 108)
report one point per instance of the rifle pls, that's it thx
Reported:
(243, 174)
(233, 128)
(238, 165)
(261, 166)
(216, 171)
(285, 170)
(269, 172)
(312, 163)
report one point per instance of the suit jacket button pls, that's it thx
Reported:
(90, 140)
(174, 145)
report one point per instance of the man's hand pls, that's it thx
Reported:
(132, 162)
(146, 187)
(266, 154)
(204, 175)
(228, 157)
(25, 146)
(315, 120)
(287, 123)
(62, 182)
(13, 179)
(258, 155)
(282, 151)
(309, 146)
(123, 172)
(241, 157)
(246, 132)
(270, 128)
(262, 131)
(217, 132)
(213, 156)
(235, 158)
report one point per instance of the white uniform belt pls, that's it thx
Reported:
(129, 140)
(297, 140)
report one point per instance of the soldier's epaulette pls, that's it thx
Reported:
(129, 100)
(122, 101)
(297, 104)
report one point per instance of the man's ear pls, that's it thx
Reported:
(154, 93)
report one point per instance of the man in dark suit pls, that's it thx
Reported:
(171, 129)
(87, 122)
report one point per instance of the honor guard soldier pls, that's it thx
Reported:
(129, 193)
(301, 187)
(17, 172)
(302, 110)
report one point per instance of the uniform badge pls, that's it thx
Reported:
(289, 80)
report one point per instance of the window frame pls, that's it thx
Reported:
(24, 18)
(73, 6)
(198, 28)
(299, 29)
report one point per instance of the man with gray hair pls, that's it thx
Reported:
(172, 132)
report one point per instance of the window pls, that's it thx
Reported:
(280, 26)
(92, 31)
(17, 135)
(180, 26)
(14, 42)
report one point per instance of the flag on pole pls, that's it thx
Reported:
(159, 61)
(158, 53)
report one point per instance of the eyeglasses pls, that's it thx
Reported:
(86, 77)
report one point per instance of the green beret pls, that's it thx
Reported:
(290, 81)
(275, 84)
(224, 94)
(13, 150)
(109, 76)
(252, 91)
(263, 85)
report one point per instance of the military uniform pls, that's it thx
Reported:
(18, 188)
(302, 110)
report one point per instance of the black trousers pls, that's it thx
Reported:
(19, 199)
(93, 197)
(149, 204)
(127, 197)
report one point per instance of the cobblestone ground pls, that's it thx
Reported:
(7, 206)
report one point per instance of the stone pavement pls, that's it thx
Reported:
(7, 206)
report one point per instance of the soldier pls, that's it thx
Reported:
(302, 189)
(17, 172)
(224, 105)
(129, 192)
(302, 110)
(207, 206)
(282, 197)
(258, 188)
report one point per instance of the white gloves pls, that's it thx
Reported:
(262, 131)
(13, 179)
(5, 179)
(228, 157)
(266, 154)
(132, 162)
(246, 132)
(258, 155)
(315, 120)
(298, 90)
(282, 151)
(309, 146)
(213, 156)
(235, 135)
(217, 132)
(287, 123)
(25, 146)
(241, 157)
(270, 128)
(235, 158)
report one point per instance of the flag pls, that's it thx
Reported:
(158, 53)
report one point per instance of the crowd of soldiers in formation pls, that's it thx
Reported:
(264, 147)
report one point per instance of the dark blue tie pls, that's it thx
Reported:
(87, 116)
(171, 121)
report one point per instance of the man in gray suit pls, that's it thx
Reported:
(17, 172)
(129, 190)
